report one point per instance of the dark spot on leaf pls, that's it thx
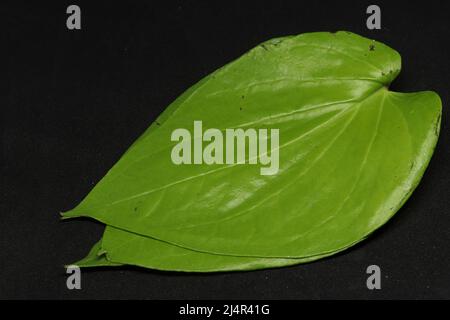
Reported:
(242, 97)
(157, 123)
(264, 47)
(240, 108)
(372, 47)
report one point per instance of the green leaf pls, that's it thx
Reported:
(128, 248)
(119, 247)
(351, 153)
(95, 258)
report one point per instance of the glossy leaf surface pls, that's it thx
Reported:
(128, 248)
(351, 153)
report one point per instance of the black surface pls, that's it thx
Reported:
(75, 100)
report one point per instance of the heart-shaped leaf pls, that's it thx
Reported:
(350, 153)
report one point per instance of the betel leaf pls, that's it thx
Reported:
(351, 152)
(132, 249)
(128, 248)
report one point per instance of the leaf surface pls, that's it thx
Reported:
(351, 153)
(128, 248)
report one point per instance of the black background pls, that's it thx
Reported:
(75, 100)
